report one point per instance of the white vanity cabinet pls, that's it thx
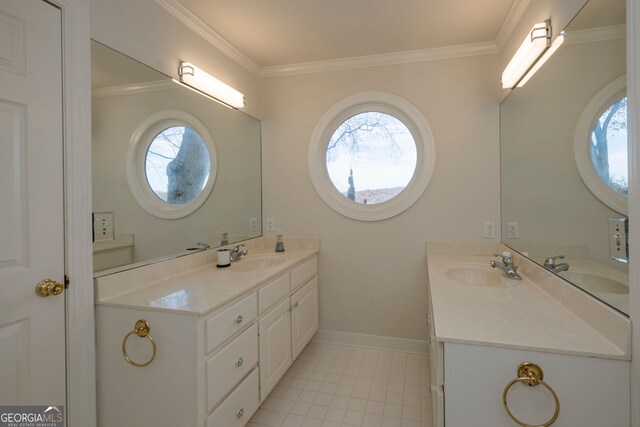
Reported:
(481, 332)
(286, 329)
(468, 381)
(592, 392)
(210, 370)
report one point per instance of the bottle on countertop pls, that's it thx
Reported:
(225, 236)
(279, 241)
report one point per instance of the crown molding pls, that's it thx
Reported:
(130, 89)
(395, 58)
(612, 32)
(198, 26)
(511, 21)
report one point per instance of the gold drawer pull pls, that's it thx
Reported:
(530, 374)
(142, 329)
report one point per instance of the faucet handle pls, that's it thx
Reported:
(236, 249)
(506, 257)
(551, 261)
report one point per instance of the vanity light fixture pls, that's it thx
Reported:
(202, 81)
(533, 46)
(554, 46)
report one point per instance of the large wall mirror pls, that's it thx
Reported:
(561, 134)
(173, 171)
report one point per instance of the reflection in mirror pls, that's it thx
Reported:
(548, 210)
(158, 149)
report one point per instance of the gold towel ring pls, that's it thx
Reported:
(142, 329)
(530, 374)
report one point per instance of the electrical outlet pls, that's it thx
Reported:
(270, 224)
(513, 230)
(103, 226)
(253, 224)
(489, 230)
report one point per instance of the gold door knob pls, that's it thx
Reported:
(49, 287)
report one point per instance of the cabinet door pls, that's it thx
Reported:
(304, 316)
(592, 392)
(275, 347)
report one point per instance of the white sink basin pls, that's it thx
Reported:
(474, 274)
(257, 262)
(595, 283)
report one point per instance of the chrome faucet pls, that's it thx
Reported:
(237, 252)
(506, 266)
(550, 264)
(199, 247)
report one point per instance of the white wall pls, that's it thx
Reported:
(373, 275)
(146, 32)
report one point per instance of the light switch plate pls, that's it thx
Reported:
(489, 230)
(253, 224)
(270, 224)
(618, 234)
(513, 230)
(103, 228)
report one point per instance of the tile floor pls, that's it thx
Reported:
(333, 385)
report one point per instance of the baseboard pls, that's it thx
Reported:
(376, 341)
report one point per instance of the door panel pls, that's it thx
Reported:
(304, 317)
(275, 347)
(12, 184)
(32, 340)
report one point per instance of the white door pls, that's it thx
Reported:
(275, 347)
(32, 328)
(304, 316)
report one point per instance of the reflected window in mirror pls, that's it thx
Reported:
(177, 165)
(608, 146)
(171, 164)
(600, 145)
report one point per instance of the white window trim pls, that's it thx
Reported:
(604, 98)
(363, 102)
(136, 156)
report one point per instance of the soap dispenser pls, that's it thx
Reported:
(225, 237)
(279, 241)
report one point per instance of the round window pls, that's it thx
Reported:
(171, 164)
(608, 148)
(177, 165)
(601, 148)
(371, 156)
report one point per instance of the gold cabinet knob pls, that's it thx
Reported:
(49, 287)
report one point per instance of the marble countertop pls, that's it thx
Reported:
(195, 291)
(518, 314)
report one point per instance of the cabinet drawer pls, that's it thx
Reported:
(227, 367)
(237, 409)
(272, 293)
(304, 272)
(230, 320)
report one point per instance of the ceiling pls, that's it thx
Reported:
(281, 32)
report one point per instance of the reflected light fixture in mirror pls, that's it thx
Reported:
(545, 56)
(534, 45)
(196, 78)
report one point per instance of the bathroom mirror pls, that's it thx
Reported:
(548, 209)
(146, 208)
